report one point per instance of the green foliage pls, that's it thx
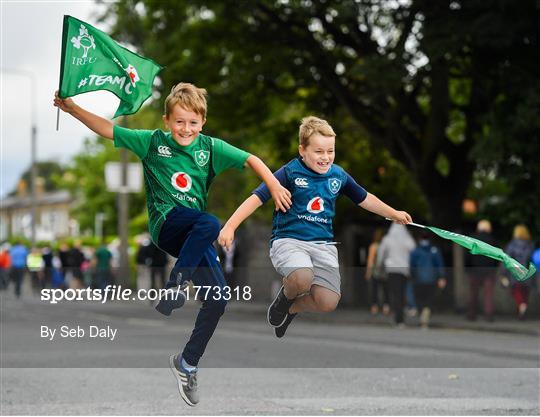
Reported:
(424, 82)
(509, 155)
(20, 239)
(85, 179)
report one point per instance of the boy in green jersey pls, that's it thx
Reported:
(179, 167)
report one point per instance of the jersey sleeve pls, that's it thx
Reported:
(227, 156)
(354, 191)
(137, 141)
(262, 190)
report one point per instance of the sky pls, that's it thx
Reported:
(31, 33)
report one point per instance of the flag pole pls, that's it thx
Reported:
(62, 58)
(421, 226)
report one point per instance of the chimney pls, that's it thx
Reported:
(22, 188)
(40, 186)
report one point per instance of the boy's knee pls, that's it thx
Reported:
(326, 306)
(326, 301)
(212, 225)
(299, 280)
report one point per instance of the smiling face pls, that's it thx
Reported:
(183, 124)
(319, 153)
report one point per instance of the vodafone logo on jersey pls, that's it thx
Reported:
(181, 181)
(315, 205)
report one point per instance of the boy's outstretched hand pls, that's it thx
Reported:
(64, 104)
(281, 197)
(401, 217)
(226, 237)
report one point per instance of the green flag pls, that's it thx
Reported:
(477, 247)
(92, 61)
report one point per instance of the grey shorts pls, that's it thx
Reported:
(288, 255)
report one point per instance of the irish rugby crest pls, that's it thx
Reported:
(334, 184)
(202, 157)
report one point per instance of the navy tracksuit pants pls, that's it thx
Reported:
(188, 234)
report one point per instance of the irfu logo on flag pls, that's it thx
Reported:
(92, 61)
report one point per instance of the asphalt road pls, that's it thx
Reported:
(318, 368)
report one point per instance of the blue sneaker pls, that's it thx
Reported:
(170, 300)
(187, 381)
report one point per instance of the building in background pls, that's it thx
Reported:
(53, 219)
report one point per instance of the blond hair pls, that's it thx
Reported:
(484, 226)
(187, 96)
(521, 232)
(311, 125)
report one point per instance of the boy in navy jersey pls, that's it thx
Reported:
(301, 247)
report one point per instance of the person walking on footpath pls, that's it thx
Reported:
(102, 258)
(19, 255)
(302, 247)
(36, 264)
(481, 271)
(47, 256)
(179, 167)
(377, 276)
(521, 249)
(5, 265)
(395, 250)
(427, 274)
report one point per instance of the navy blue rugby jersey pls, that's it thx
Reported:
(314, 198)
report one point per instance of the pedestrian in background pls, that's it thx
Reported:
(103, 257)
(57, 278)
(5, 265)
(536, 261)
(481, 271)
(76, 259)
(47, 256)
(63, 256)
(35, 264)
(521, 249)
(427, 274)
(394, 253)
(19, 255)
(158, 267)
(144, 263)
(228, 258)
(376, 276)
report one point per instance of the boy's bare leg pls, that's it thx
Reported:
(318, 300)
(297, 282)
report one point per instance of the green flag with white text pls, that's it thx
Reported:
(92, 61)
(477, 247)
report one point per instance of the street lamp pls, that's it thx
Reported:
(33, 168)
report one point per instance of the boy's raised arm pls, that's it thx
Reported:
(246, 209)
(280, 195)
(97, 124)
(373, 204)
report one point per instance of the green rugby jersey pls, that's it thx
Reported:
(174, 174)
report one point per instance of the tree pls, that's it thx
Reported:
(48, 170)
(508, 157)
(419, 78)
(85, 179)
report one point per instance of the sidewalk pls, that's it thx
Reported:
(501, 324)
